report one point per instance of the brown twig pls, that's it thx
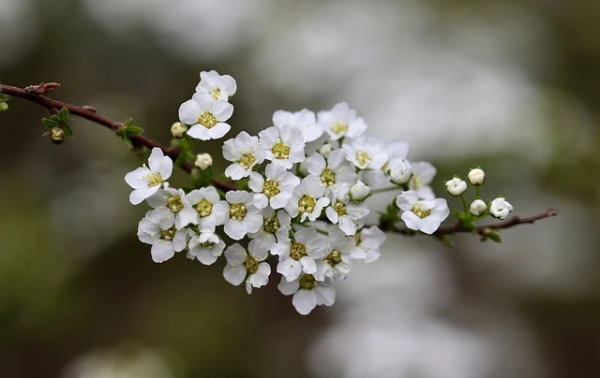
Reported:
(34, 93)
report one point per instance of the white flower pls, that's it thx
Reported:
(206, 116)
(307, 199)
(178, 129)
(399, 170)
(478, 207)
(275, 228)
(175, 200)
(157, 228)
(423, 215)
(276, 190)
(367, 151)
(245, 152)
(284, 147)
(308, 292)
(368, 242)
(219, 87)
(146, 181)
(206, 247)
(341, 121)
(346, 214)
(456, 186)
(212, 211)
(423, 174)
(359, 191)
(336, 172)
(303, 121)
(476, 176)
(397, 148)
(203, 161)
(339, 259)
(247, 266)
(500, 208)
(244, 216)
(298, 255)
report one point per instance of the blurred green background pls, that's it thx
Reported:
(513, 86)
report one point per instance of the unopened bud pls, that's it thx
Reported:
(478, 207)
(399, 170)
(500, 208)
(476, 176)
(57, 135)
(325, 149)
(203, 161)
(178, 129)
(456, 186)
(359, 191)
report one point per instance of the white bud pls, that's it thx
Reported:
(359, 191)
(500, 208)
(399, 170)
(456, 186)
(325, 149)
(178, 129)
(476, 176)
(478, 207)
(203, 161)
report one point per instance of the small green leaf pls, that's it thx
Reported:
(4, 97)
(49, 122)
(3, 106)
(67, 129)
(134, 130)
(63, 114)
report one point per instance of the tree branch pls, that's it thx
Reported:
(35, 94)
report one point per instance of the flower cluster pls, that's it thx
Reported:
(299, 208)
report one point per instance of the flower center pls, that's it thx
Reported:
(328, 177)
(306, 204)
(207, 244)
(251, 264)
(204, 207)
(417, 183)
(271, 188)
(167, 234)
(237, 211)
(208, 120)
(340, 209)
(153, 179)
(247, 160)
(215, 93)
(174, 203)
(339, 127)
(297, 251)
(334, 258)
(280, 150)
(363, 158)
(307, 282)
(420, 211)
(271, 225)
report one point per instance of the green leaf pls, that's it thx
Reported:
(49, 122)
(134, 130)
(3, 106)
(63, 114)
(67, 129)
(4, 97)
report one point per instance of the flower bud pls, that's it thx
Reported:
(359, 191)
(57, 135)
(476, 176)
(500, 208)
(399, 170)
(203, 161)
(478, 207)
(178, 129)
(456, 186)
(325, 149)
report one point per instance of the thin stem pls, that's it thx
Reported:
(383, 190)
(34, 93)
